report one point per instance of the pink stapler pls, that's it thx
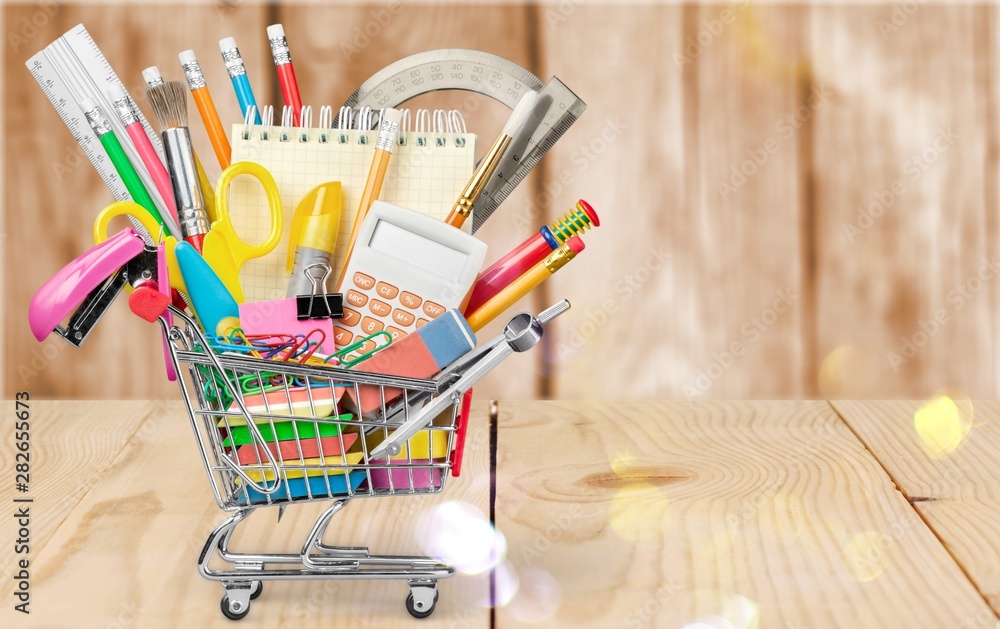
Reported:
(85, 288)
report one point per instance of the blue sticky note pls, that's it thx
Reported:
(296, 488)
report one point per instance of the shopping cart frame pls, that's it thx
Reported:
(218, 408)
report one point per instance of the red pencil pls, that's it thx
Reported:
(286, 71)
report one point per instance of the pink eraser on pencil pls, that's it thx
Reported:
(575, 244)
(419, 354)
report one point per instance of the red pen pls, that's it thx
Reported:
(530, 252)
(286, 71)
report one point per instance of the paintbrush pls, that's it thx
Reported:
(169, 102)
(463, 206)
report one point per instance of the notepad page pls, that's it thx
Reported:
(426, 178)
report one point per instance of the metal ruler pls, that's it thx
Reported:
(499, 78)
(72, 68)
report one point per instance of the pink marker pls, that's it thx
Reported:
(127, 113)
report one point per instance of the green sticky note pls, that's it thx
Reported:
(240, 435)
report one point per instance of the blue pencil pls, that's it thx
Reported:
(238, 73)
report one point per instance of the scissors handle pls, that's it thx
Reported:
(241, 250)
(127, 209)
(156, 233)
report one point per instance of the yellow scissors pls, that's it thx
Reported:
(226, 252)
(139, 213)
(223, 249)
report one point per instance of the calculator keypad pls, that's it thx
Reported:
(351, 317)
(410, 300)
(402, 317)
(355, 298)
(364, 282)
(379, 308)
(386, 291)
(433, 310)
(372, 305)
(371, 326)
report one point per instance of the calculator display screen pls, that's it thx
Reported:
(421, 252)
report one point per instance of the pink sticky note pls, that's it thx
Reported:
(280, 316)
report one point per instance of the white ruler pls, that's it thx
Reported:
(73, 68)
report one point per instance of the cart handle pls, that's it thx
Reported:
(520, 334)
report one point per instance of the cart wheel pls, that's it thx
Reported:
(421, 607)
(256, 589)
(234, 614)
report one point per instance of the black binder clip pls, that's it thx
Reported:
(319, 305)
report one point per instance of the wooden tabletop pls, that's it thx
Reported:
(793, 515)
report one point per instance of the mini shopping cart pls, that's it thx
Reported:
(275, 433)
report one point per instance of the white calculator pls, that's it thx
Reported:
(406, 269)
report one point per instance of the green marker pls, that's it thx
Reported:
(99, 123)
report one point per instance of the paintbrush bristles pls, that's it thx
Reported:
(169, 102)
(520, 114)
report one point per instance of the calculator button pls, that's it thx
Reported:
(433, 310)
(363, 281)
(351, 317)
(395, 332)
(356, 299)
(366, 346)
(402, 317)
(371, 326)
(387, 291)
(342, 336)
(421, 323)
(379, 308)
(410, 300)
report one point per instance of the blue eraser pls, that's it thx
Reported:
(448, 337)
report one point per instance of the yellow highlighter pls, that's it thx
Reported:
(313, 236)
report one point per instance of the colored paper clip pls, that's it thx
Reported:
(302, 349)
(357, 345)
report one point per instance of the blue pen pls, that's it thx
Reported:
(238, 73)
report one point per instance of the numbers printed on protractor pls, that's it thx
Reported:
(499, 78)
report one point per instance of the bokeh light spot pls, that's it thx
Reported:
(638, 510)
(941, 426)
(866, 555)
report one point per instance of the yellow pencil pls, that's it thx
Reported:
(524, 284)
(206, 190)
(388, 132)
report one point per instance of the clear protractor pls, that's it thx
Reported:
(446, 69)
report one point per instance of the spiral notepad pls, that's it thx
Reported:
(429, 167)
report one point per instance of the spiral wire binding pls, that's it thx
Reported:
(305, 123)
(364, 124)
(404, 127)
(286, 123)
(423, 118)
(438, 124)
(325, 122)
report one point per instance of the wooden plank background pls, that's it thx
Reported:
(721, 514)
(796, 200)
